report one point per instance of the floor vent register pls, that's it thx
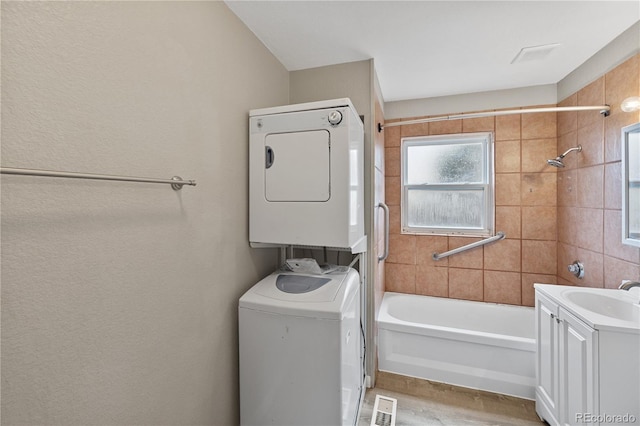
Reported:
(384, 411)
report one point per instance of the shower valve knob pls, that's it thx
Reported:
(577, 269)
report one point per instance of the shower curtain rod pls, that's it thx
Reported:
(603, 109)
(176, 182)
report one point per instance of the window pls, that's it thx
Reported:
(447, 185)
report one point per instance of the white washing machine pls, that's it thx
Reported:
(300, 350)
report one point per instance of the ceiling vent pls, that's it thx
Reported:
(534, 53)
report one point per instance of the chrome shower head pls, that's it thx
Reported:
(557, 162)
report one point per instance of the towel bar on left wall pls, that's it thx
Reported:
(176, 182)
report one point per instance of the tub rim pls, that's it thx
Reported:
(386, 321)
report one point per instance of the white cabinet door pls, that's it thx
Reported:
(547, 386)
(578, 370)
(297, 166)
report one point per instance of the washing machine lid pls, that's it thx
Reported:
(318, 296)
(298, 284)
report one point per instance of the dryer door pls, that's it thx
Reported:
(297, 166)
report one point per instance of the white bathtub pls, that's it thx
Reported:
(477, 345)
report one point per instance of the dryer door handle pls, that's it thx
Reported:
(269, 157)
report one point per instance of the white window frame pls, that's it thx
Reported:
(487, 185)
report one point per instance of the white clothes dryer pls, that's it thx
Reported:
(306, 175)
(300, 350)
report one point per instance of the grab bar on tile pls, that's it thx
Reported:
(499, 236)
(386, 232)
(176, 182)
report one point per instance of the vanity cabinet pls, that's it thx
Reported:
(547, 359)
(583, 374)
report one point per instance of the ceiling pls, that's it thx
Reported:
(426, 49)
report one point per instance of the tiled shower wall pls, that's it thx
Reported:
(589, 188)
(550, 217)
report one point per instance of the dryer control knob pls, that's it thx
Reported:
(335, 117)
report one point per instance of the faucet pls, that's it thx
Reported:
(626, 285)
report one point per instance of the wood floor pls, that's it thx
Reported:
(421, 402)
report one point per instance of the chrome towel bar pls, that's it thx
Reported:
(497, 237)
(176, 182)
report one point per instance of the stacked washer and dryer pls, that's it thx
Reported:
(301, 341)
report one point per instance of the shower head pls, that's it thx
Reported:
(557, 162)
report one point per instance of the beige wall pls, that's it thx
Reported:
(551, 216)
(378, 232)
(357, 81)
(119, 299)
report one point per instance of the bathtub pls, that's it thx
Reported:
(477, 345)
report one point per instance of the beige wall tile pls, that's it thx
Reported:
(421, 129)
(589, 232)
(536, 152)
(590, 95)
(426, 245)
(466, 284)
(507, 156)
(612, 186)
(400, 278)
(508, 220)
(507, 189)
(468, 259)
(566, 141)
(528, 291)
(539, 189)
(539, 223)
(484, 124)
(616, 270)
(594, 268)
(539, 125)
(392, 161)
(502, 287)
(566, 255)
(567, 224)
(592, 140)
(394, 219)
(402, 249)
(392, 190)
(593, 265)
(432, 281)
(562, 281)
(502, 255)
(568, 121)
(622, 82)
(591, 186)
(445, 127)
(539, 257)
(507, 127)
(567, 187)
(613, 246)
(391, 135)
(613, 134)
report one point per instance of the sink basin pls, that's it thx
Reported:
(612, 307)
